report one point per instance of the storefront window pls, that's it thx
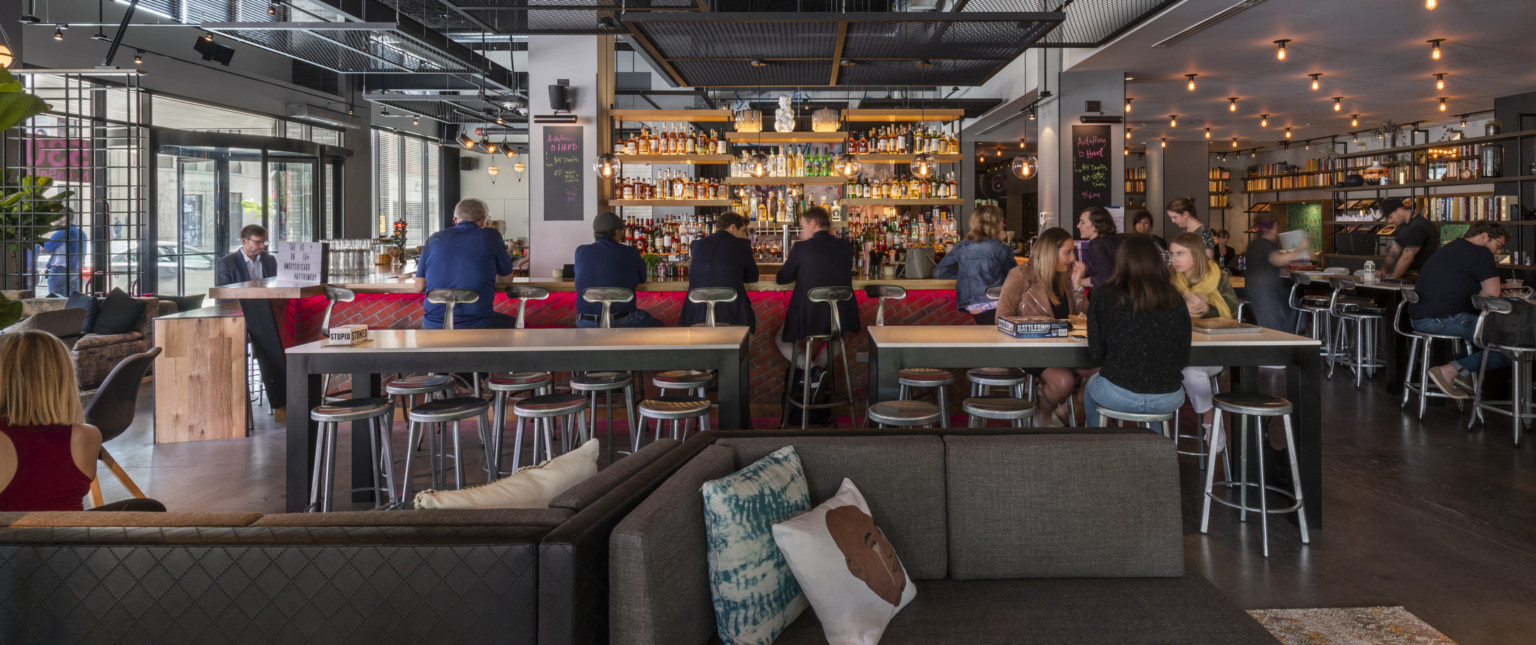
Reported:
(407, 180)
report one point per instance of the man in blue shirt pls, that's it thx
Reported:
(465, 256)
(67, 246)
(607, 263)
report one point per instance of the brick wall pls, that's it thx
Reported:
(403, 311)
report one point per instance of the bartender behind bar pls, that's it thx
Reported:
(465, 256)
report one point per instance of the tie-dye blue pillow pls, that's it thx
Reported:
(755, 593)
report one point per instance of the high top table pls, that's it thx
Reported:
(390, 351)
(899, 347)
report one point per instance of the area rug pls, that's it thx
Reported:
(1348, 626)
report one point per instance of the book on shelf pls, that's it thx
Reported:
(1467, 208)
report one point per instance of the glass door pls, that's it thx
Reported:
(291, 199)
(193, 199)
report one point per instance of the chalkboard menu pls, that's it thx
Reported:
(564, 180)
(1090, 168)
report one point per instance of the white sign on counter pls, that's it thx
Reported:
(301, 262)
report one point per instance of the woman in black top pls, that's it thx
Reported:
(1225, 257)
(1138, 330)
(1098, 227)
(1265, 290)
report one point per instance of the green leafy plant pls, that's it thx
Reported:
(651, 260)
(25, 209)
(16, 105)
(10, 311)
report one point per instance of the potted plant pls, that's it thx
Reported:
(1493, 127)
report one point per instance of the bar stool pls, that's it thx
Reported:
(830, 296)
(503, 387)
(1142, 419)
(709, 297)
(1314, 306)
(1420, 344)
(1254, 407)
(590, 383)
(378, 412)
(936, 379)
(1359, 329)
(543, 410)
(882, 293)
(452, 298)
(1200, 442)
(431, 419)
(1020, 412)
(677, 408)
(333, 295)
(903, 414)
(404, 390)
(522, 294)
(1518, 408)
(983, 379)
(608, 297)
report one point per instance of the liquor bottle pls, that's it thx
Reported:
(851, 146)
(863, 144)
(953, 187)
(630, 147)
(901, 141)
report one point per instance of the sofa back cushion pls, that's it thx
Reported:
(63, 323)
(583, 494)
(1082, 505)
(902, 478)
(120, 313)
(533, 517)
(658, 567)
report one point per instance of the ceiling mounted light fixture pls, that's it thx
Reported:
(272, 8)
(1314, 81)
(1429, 4)
(1191, 85)
(138, 57)
(758, 62)
(1128, 134)
(1434, 48)
(1128, 103)
(1354, 120)
(1263, 120)
(415, 120)
(1440, 81)
(608, 166)
(1287, 133)
(1234, 142)
(846, 63)
(924, 164)
(924, 63)
(1463, 120)
(1232, 104)
(1442, 104)
(465, 141)
(1165, 142)
(1207, 133)
(490, 147)
(58, 32)
(757, 165)
(1338, 103)
(1023, 167)
(1355, 136)
(1280, 53)
(507, 149)
(493, 169)
(208, 37)
(1173, 120)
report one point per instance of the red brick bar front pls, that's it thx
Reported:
(403, 311)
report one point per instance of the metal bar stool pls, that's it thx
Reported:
(333, 295)
(678, 409)
(522, 294)
(543, 410)
(903, 414)
(503, 387)
(405, 390)
(983, 379)
(589, 384)
(1315, 307)
(608, 297)
(450, 298)
(882, 293)
(1358, 331)
(1420, 344)
(933, 378)
(431, 419)
(709, 297)
(831, 296)
(1143, 419)
(378, 412)
(1254, 407)
(1019, 412)
(1518, 408)
(1201, 445)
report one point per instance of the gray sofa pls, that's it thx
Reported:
(1019, 536)
(95, 355)
(502, 576)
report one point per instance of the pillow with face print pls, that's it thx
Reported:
(849, 572)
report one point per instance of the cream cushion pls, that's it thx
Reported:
(531, 487)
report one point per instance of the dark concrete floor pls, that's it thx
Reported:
(1420, 514)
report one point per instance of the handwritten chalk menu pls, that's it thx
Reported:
(564, 179)
(1090, 167)
(301, 262)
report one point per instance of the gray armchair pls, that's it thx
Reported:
(94, 355)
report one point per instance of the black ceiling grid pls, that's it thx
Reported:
(558, 17)
(882, 49)
(1089, 23)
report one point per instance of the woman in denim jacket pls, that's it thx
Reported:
(979, 261)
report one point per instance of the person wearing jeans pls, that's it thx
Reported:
(606, 262)
(1138, 330)
(1459, 270)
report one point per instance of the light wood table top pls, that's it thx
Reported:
(978, 336)
(535, 340)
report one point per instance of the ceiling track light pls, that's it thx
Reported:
(1280, 53)
(758, 62)
(415, 120)
(138, 57)
(924, 63)
(1263, 120)
(1439, 81)
(1173, 120)
(208, 38)
(1442, 104)
(1191, 85)
(1434, 48)
(465, 141)
(272, 8)
(1463, 120)
(1314, 81)
(1232, 104)
(58, 32)
(1354, 120)
(1338, 103)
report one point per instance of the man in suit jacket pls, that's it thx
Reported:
(723, 259)
(252, 262)
(817, 260)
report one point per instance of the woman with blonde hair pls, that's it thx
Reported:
(47, 452)
(1043, 287)
(979, 261)
(1207, 293)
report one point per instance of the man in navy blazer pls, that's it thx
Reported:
(252, 262)
(251, 258)
(817, 260)
(723, 259)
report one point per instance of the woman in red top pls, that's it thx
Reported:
(47, 452)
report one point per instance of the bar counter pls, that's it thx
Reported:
(393, 304)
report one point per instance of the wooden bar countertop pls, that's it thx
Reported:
(273, 289)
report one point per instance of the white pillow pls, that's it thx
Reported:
(847, 569)
(530, 487)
